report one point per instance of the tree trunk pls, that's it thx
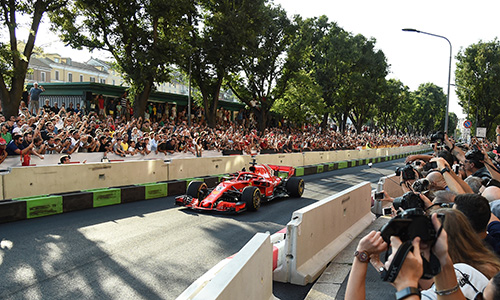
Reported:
(141, 100)
(324, 122)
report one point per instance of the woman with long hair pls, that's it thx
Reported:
(465, 246)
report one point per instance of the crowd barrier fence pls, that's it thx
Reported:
(149, 179)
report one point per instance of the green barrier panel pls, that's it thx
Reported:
(40, 206)
(331, 167)
(105, 197)
(320, 169)
(299, 171)
(342, 165)
(155, 190)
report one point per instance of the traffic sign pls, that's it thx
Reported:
(467, 124)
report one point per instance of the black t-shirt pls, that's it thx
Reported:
(170, 146)
(46, 108)
(162, 146)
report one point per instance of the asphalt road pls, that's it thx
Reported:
(145, 250)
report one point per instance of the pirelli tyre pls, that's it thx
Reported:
(295, 187)
(251, 197)
(197, 189)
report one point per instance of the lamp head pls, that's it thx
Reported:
(410, 30)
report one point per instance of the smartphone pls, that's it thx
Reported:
(379, 196)
(387, 211)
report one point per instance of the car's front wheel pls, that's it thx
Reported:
(197, 189)
(251, 197)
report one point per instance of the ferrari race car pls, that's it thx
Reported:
(243, 190)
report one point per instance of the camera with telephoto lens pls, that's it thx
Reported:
(407, 201)
(407, 171)
(437, 137)
(409, 224)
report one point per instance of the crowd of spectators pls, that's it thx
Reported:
(454, 196)
(111, 127)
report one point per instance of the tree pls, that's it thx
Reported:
(331, 60)
(392, 102)
(429, 105)
(366, 80)
(144, 37)
(219, 34)
(302, 102)
(478, 69)
(266, 67)
(14, 61)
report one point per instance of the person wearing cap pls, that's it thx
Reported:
(3, 151)
(34, 97)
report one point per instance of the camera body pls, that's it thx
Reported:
(407, 171)
(409, 224)
(407, 201)
(437, 137)
(421, 185)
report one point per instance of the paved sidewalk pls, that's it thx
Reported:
(332, 283)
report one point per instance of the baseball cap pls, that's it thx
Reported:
(3, 141)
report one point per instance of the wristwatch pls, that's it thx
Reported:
(404, 293)
(362, 256)
(446, 169)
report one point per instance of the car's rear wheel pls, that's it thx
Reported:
(295, 187)
(197, 189)
(251, 197)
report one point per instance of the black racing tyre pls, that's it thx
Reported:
(295, 187)
(196, 189)
(251, 197)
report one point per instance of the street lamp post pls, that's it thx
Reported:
(449, 73)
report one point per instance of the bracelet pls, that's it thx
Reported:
(401, 183)
(446, 292)
(407, 292)
(451, 150)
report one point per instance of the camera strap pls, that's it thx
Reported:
(392, 272)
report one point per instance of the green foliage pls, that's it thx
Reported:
(14, 61)
(219, 37)
(143, 37)
(428, 108)
(478, 69)
(266, 68)
(302, 102)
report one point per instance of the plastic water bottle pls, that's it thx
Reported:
(377, 204)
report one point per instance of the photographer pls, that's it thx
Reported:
(453, 182)
(407, 282)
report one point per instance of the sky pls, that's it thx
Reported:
(413, 58)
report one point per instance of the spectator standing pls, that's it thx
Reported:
(46, 106)
(3, 151)
(55, 109)
(34, 97)
(5, 133)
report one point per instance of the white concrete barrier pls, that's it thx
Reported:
(391, 186)
(248, 275)
(321, 230)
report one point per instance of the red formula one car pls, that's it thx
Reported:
(243, 190)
